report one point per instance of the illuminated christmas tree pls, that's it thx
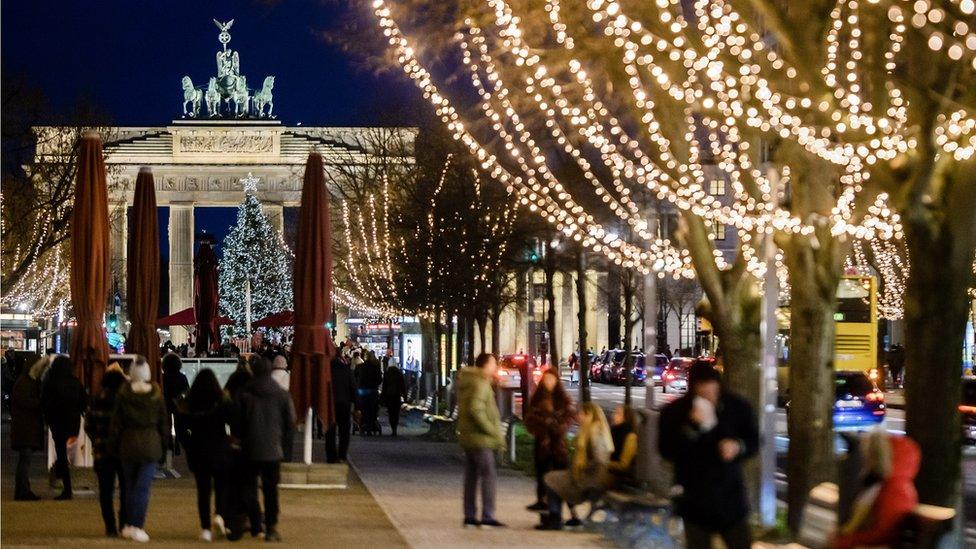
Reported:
(254, 252)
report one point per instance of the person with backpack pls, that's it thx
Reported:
(108, 466)
(267, 422)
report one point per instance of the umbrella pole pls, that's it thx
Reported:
(308, 437)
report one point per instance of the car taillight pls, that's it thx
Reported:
(876, 397)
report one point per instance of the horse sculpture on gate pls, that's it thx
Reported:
(264, 97)
(191, 96)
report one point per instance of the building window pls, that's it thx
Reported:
(716, 230)
(716, 187)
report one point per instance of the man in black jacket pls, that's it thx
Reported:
(343, 396)
(707, 434)
(266, 425)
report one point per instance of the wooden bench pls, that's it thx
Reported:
(633, 518)
(413, 414)
(442, 428)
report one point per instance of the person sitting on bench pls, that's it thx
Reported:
(623, 462)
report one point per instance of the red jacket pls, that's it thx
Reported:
(896, 499)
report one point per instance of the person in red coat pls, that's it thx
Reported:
(889, 494)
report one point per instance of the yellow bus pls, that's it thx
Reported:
(855, 330)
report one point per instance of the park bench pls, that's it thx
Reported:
(442, 428)
(413, 414)
(634, 518)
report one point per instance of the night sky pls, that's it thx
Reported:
(128, 59)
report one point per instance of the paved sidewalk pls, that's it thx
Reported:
(309, 518)
(418, 484)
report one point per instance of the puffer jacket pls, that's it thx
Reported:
(140, 429)
(479, 422)
(266, 420)
(896, 499)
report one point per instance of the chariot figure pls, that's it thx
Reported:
(213, 98)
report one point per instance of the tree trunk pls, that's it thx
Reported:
(439, 359)
(584, 357)
(427, 357)
(813, 280)
(496, 330)
(469, 340)
(449, 355)
(550, 270)
(459, 342)
(628, 333)
(482, 330)
(936, 308)
(613, 304)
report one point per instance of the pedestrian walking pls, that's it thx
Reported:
(480, 434)
(140, 434)
(549, 416)
(707, 434)
(394, 393)
(237, 506)
(63, 400)
(175, 386)
(588, 477)
(888, 495)
(26, 425)
(207, 410)
(108, 466)
(368, 382)
(343, 398)
(267, 420)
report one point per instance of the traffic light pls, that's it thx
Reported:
(328, 325)
(113, 321)
(534, 257)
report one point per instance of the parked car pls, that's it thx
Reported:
(660, 364)
(675, 376)
(858, 401)
(600, 367)
(967, 409)
(618, 373)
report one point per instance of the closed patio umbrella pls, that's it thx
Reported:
(186, 317)
(142, 280)
(205, 298)
(313, 349)
(90, 269)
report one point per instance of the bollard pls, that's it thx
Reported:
(308, 437)
(511, 441)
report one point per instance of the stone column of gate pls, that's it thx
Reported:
(275, 213)
(180, 264)
(118, 236)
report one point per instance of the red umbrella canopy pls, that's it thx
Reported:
(205, 298)
(278, 320)
(187, 318)
(313, 349)
(142, 290)
(90, 269)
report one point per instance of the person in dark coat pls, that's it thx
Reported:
(108, 466)
(207, 411)
(63, 400)
(369, 380)
(266, 424)
(236, 504)
(140, 436)
(343, 397)
(394, 393)
(175, 386)
(26, 425)
(549, 416)
(707, 434)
